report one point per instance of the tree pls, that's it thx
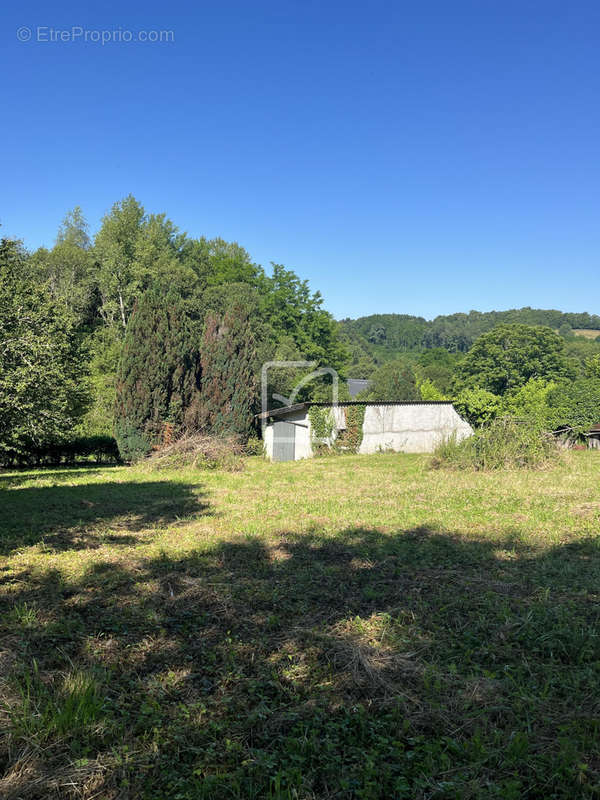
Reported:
(228, 388)
(43, 387)
(68, 268)
(478, 406)
(74, 230)
(509, 355)
(394, 381)
(592, 366)
(115, 248)
(216, 262)
(575, 405)
(530, 402)
(294, 311)
(159, 371)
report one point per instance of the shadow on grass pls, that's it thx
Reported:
(66, 517)
(13, 478)
(412, 665)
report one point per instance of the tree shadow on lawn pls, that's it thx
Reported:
(67, 517)
(12, 478)
(418, 664)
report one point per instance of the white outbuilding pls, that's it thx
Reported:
(403, 427)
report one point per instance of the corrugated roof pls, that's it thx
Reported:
(283, 410)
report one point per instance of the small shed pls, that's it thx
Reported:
(593, 437)
(402, 427)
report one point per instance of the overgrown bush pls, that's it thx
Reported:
(254, 446)
(503, 443)
(199, 451)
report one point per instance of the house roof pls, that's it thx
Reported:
(283, 411)
(356, 385)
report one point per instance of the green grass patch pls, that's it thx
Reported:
(360, 627)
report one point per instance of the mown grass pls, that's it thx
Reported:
(358, 627)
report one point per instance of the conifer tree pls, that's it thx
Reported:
(158, 375)
(228, 387)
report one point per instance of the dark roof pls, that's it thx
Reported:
(595, 428)
(356, 385)
(283, 410)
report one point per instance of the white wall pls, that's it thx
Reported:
(411, 428)
(302, 443)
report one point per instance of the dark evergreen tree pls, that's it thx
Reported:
(158, 375)
(228, 393)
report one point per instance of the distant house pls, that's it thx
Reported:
(357, 385)
(402, 427)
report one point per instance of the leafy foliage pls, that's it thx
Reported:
(530, 403)
(394, 381)
(478, 406)
(384, 336)
(43, 390)
(503, 443)
(575, 405)
(96, 283)
(508, 356)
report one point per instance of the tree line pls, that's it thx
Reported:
(142, 332)
(142, 327)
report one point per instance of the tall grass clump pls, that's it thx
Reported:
(503, 443)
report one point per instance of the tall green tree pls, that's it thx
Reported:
(295, 312)
(119, 281)
(228, 388)
(216, 262)
(394, 381)
(43, 390)
(68, 268)
(159, 372)
(508, 356)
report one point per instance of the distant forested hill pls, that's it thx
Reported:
(381, 337)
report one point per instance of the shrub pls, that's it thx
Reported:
(504, 443)
(478, 406)
(101, 449)
(199, 451)
(133, 444)
(254, 446)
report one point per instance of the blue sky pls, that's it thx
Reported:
(423, 157)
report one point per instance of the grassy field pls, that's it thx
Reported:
(351, 627)
(588, 333)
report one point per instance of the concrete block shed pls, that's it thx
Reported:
(402, 427)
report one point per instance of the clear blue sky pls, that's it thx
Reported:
(422, 157)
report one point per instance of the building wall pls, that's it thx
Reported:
(302, 444)
(403, 428)
(411, 428)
